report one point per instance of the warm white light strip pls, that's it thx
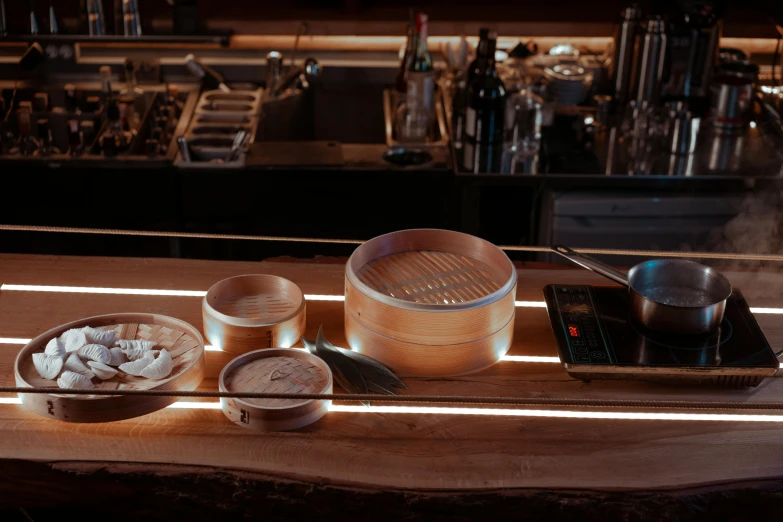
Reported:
(102, 290)
(14, 340)
(530, 358)
(10, 400)
(319, 297)
(186, 405)
(201, 293)
(530, 304)
(615, 415)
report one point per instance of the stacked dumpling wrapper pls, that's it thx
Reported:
(82, 355)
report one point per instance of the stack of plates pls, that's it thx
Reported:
(569, 83)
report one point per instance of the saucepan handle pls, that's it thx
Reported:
(592, 264)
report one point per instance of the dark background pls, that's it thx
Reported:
(736, 12)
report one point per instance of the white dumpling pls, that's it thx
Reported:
(74, 381)
(55, 347)
(136, 367)
(159, 368)
(134, 354)
(48, 366)
(141, 344)
(75, 365)
(97, 336)
(73, 340)
(95, 352)
(117, 357)
(102, 371)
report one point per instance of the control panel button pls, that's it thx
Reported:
(577, 342)
(582, 358)
(581, 349)
(597, 355)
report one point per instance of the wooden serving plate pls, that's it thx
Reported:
(271, 371)
(183, 342)
(430, 302)
(249, 312)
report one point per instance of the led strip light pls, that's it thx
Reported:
(407, 409)
(202, 293)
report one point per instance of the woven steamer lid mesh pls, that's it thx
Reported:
(431, 277)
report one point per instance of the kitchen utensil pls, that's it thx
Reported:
(275, 370)
(183, 342)
(626, 35)
(666, 295)
(568, 82)
(692, 51)
(732, 100)
(682, 130)
(597, 340)
(650, 63)
(184, 149)
(430, 302)
(249, 312)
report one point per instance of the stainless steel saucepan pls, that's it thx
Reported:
(667, 295)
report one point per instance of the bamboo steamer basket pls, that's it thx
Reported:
(183, 342)
(275, 370)
(249, 312)
(430, 302)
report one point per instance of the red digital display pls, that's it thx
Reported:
(573, 331)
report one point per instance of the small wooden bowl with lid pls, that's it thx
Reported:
(275, 370)
(249, 312)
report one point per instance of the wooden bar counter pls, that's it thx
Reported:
(529, 463)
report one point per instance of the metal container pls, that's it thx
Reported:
(692, 52)
(648, 71)
(667, 295)
(682, 130)
(625, 38)
(732, 101)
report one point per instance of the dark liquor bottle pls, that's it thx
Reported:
(402, 73)
(72, 99)
(75, 138)
(479, 63)
(421, 72)
(485, 118)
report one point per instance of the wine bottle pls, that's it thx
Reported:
(402, 73)
(485, 118)
(421, 73)
(479, 63)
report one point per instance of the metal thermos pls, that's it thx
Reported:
(682, 130)
(732, 101)
(648, 72)
(625, 38)
(692, 52)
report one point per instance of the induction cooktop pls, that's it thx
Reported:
(597, 340)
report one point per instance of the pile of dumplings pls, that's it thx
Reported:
(81, 355)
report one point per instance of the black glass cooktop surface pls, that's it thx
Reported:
(594, 334)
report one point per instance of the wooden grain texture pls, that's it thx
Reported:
(252, 311)
(275, 370)
(430, 302)
(404, 451)
(182, 341)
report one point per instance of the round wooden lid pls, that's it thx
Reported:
(278, 374)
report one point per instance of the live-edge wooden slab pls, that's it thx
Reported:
(463, 454)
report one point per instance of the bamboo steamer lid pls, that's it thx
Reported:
(249, 312)
(275, 370)
(430, 302)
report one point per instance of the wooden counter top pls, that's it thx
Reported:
(368, 451)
